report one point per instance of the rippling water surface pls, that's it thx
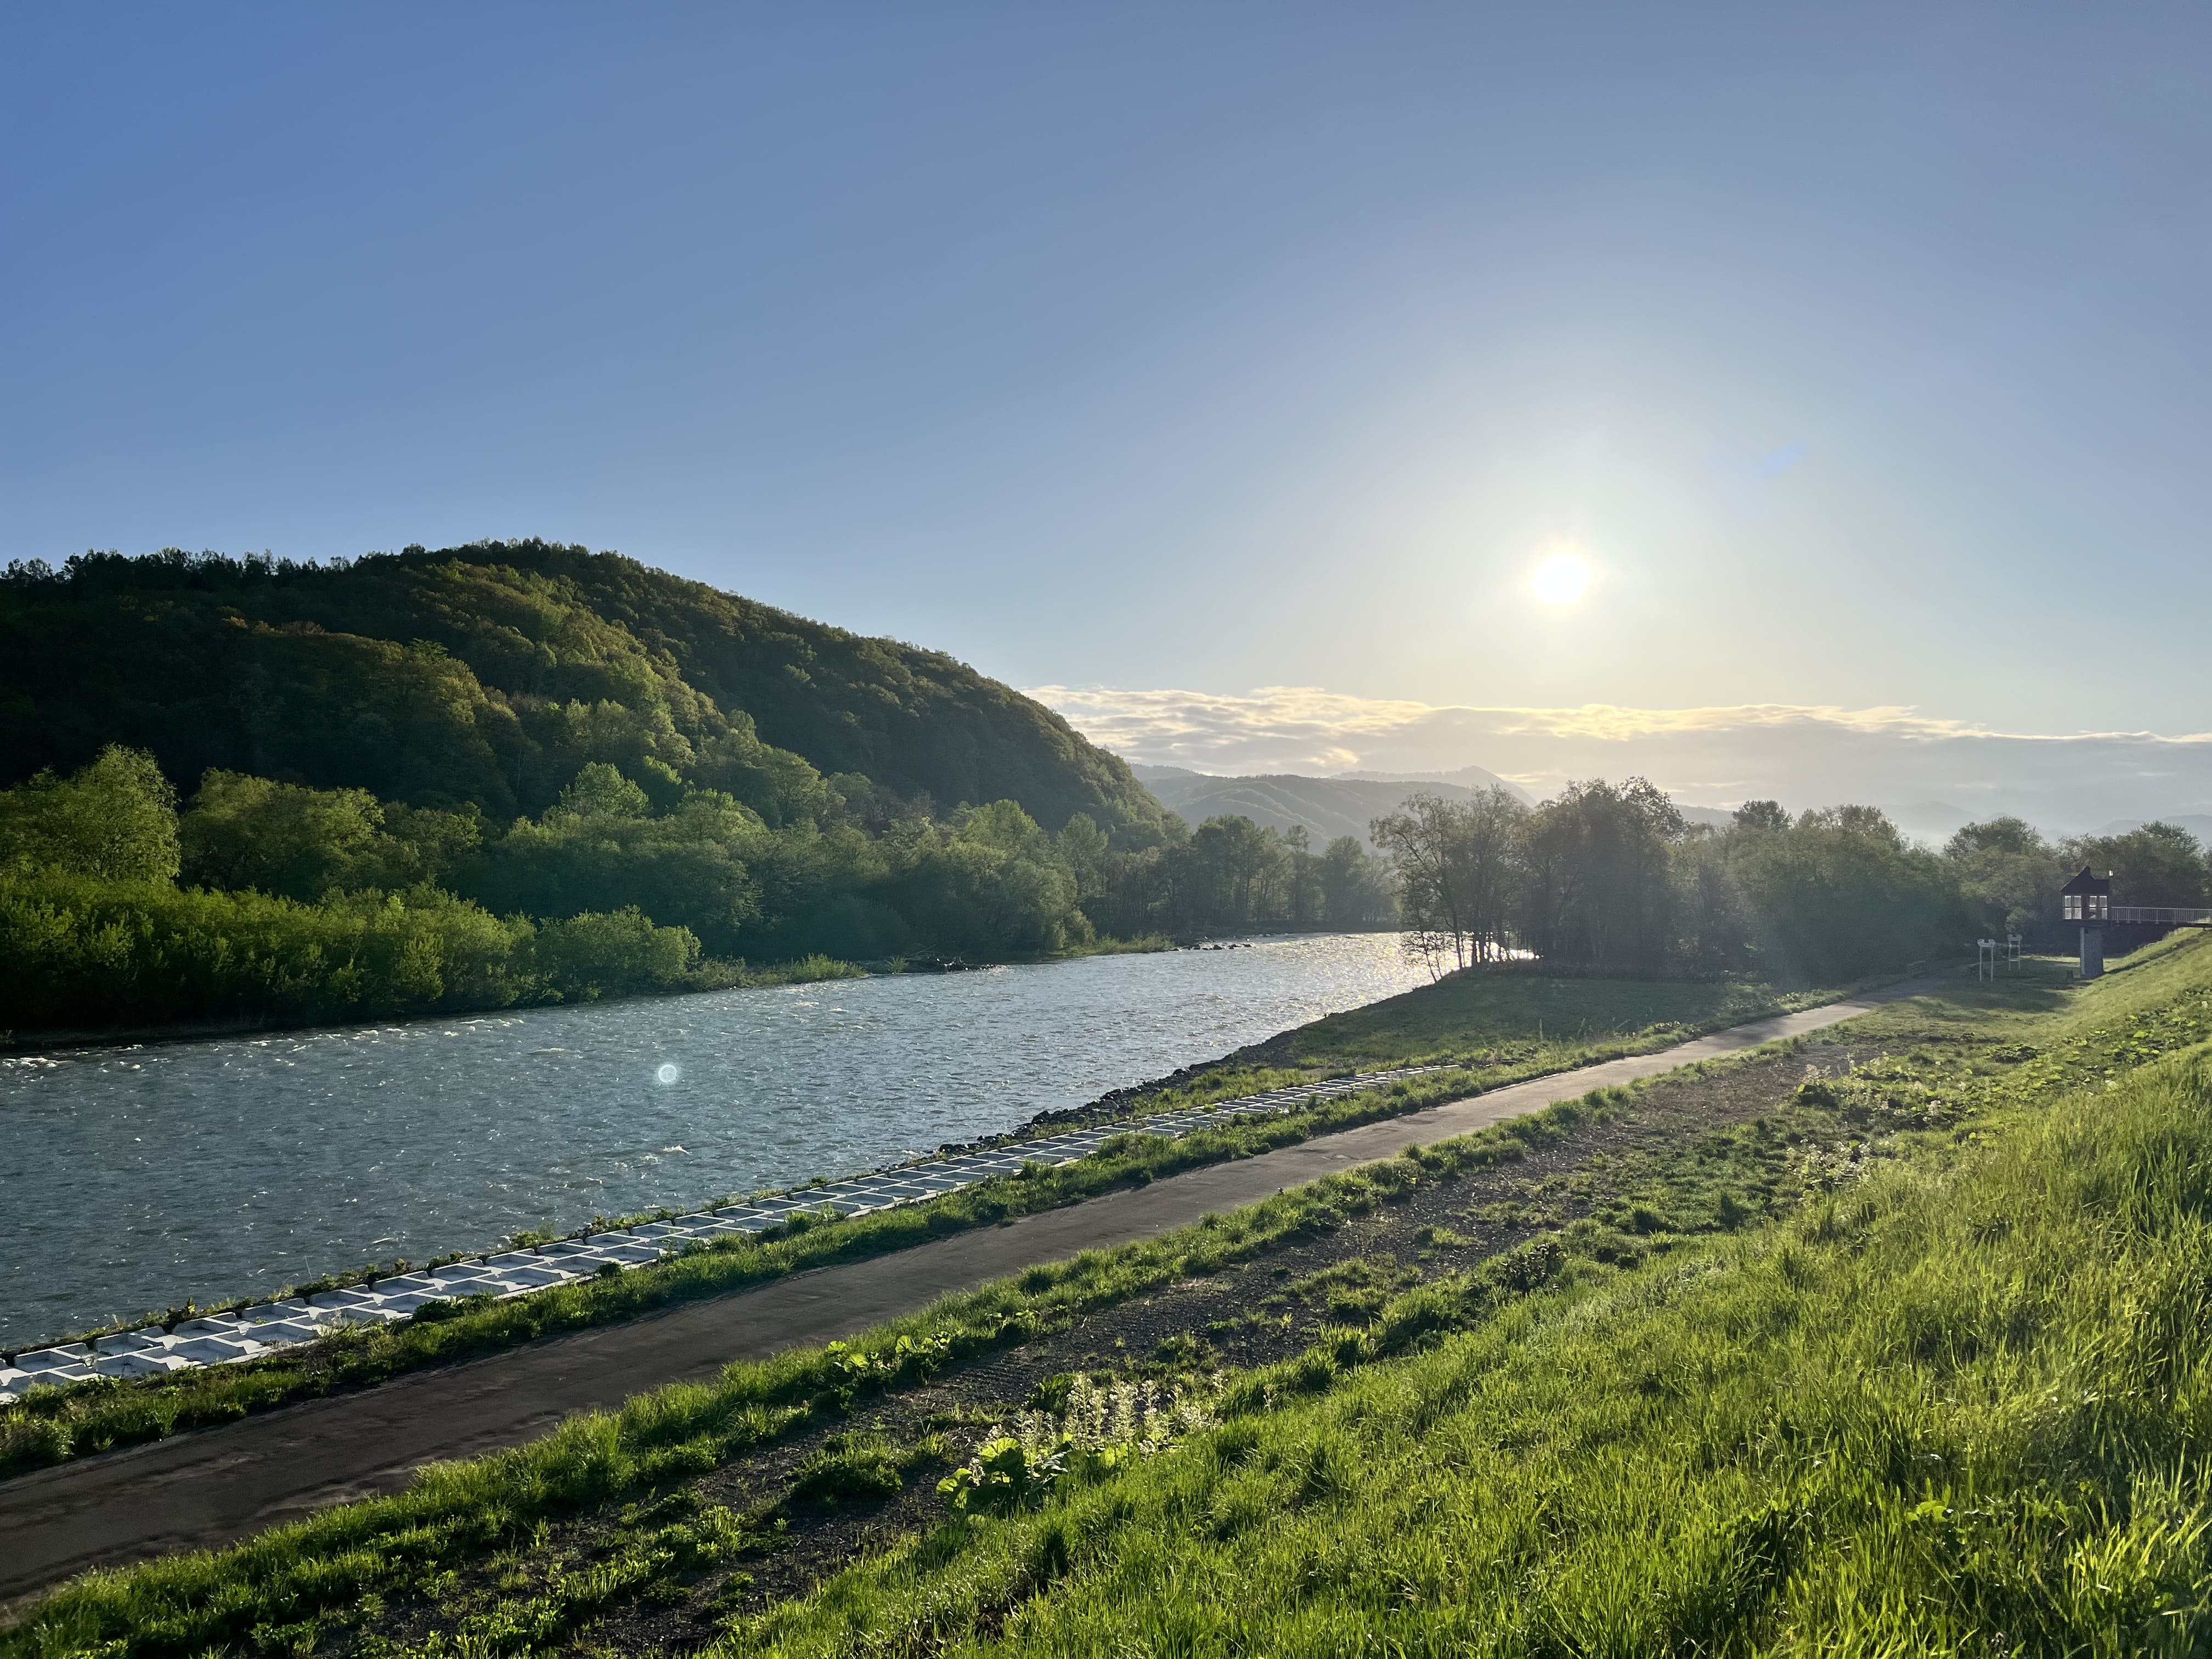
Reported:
(133, 1178)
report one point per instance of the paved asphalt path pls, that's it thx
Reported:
(215, 1486)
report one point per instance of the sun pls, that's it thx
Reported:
(1561, 578)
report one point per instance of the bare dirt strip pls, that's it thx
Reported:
(216, 1486)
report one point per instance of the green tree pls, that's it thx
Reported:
(1233, 867)
(1355, 892)
(989, 883)
(2157, 864)
(241, 832)
(1761, 815)
(598, 849)
(2008, 875)
(1839, 895)
(1598, 868)
(1301, 896)
(600, 791)
(115, 818)
(1082, 846)
(1459, 865)
(585, 957)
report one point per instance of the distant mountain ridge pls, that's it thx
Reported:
(1328, 807)
(1464, 777)
(1342, 804)
(2198, 824)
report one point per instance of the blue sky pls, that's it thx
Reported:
(1194, 347)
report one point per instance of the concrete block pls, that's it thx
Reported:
(407, 1302)
(55, 1377)
(456, 1272)
(406, 1284)
(60, 1357)
(536, 1276)
(265, 1313)
(505, 1284)
(457, 1290)
(631, 1255)
(290, 1333)
(223, 1325)
(350, 1298)
(153, 1338)
(368, 1314)
(215, 1350)
(152, 1363)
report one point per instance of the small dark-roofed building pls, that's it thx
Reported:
(2087, 900)
(2088, 897)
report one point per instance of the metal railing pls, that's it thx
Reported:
(2164, 915)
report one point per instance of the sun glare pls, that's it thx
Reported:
(1561, 578)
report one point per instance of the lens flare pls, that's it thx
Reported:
(1561, 578)
(669, 1072)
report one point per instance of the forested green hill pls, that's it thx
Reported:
(516, 772)
(489, 674)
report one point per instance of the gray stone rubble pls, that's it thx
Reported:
(264, 1327)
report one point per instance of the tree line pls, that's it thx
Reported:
(1611, 877)
(120, 904)
(2011, 874)
(1231, 875)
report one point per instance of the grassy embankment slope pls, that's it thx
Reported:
(1491, 1031)
(1955, 1404)
(1946, 1399)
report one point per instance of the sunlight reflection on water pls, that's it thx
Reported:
(131, 1179)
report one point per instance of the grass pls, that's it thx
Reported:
(806, 971)
(1508, 1017)
(1495, 1027)
(1909, 1422)
(1903, 1419)
(1956, 1404)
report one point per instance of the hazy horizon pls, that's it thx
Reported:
(1718, 757)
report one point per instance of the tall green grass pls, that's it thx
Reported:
(1948, 1410)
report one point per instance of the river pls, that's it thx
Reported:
(133, 1178)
